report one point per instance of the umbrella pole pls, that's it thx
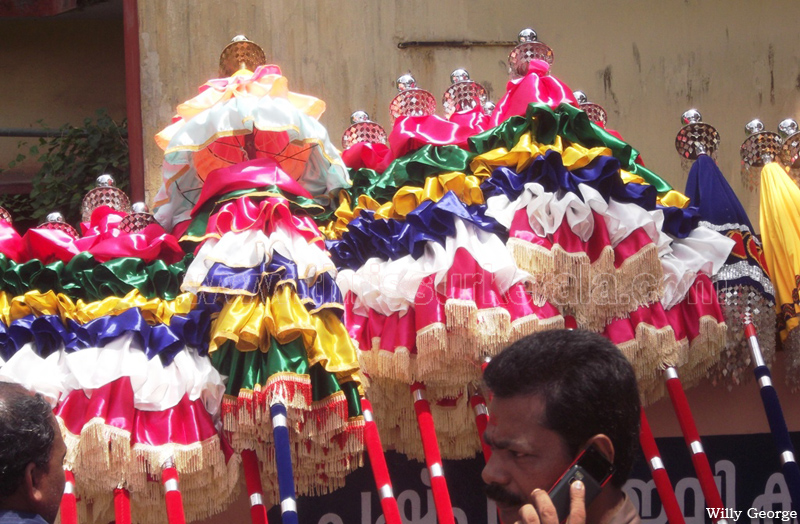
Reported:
(478, 404)
(172, 494)
(283, 460)
(122, 506)
(699, 459)
(69, 504)
(378, 463)
(663, 484)
(433, 458)
(252, 476)
(772, 408)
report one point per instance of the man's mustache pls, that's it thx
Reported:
(500, 494)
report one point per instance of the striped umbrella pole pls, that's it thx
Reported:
(699, 459)
(663, 484)
(478, 404)
(252, 477)
(378, 463)
(433, 458)
(122, 506)
(777, 423)
(69, 504)
(172, 493)
(283, 460)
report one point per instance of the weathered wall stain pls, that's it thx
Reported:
(771, 61)
(636, 57)
(607, 90)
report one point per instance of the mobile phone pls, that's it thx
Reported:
(592, 468)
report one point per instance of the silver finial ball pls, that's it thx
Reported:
(239, 38)
(140, 207)
(526, 35)
(406, 82)
(580, 97)
(459, 75)
(359, 116)
(787, 127)
(754, 126)
(691, 116)
(55, 216)
(105, 181)
(488, 107)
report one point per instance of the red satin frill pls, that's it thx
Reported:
(536, 86)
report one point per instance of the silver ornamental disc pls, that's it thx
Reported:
(412, 102)
(521, 56)
(135, 222)
(693, 140)
(112, 197)
(463, 96)
(760, 145)
(596, 113)
(369, 132)
(60, 226)
(790, 151)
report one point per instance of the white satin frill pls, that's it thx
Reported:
(155, 387)
(252, 248)
(389, 286)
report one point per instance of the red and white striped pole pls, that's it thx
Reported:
(478, 404)
(69, 504)
(663, 484)
(692, 438)
(433, 458)
(172, 493)
(122, 506)
(377, 460)
(252, 477)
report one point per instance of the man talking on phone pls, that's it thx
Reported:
(557, 397)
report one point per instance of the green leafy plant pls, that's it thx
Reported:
(70, 164)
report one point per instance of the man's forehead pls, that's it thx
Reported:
(517, 412)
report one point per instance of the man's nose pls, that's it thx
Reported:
(494, 472)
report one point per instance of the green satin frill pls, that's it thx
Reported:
(409, 170)
(85, 278)
(571, 124)
(250, 370)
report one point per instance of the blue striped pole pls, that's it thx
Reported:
(772, 408)
(283, 461)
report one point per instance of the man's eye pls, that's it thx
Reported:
(518, 454)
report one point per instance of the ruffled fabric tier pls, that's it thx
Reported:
(602, 238)
(248, 116)
(102, 239)
(129, 395)
(279, 336)
(99, 327)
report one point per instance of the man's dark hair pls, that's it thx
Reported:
(26, 435)
(587, 384)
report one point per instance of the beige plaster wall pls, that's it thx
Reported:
(59, 70)
(646, 62)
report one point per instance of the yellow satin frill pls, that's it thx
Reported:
(250, 322)
(154, 310)
(466, 187)
(573, 156)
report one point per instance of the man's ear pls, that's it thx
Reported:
(31, 482)
(603, 445)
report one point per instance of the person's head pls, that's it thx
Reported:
(31, 454)
(553, 394)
